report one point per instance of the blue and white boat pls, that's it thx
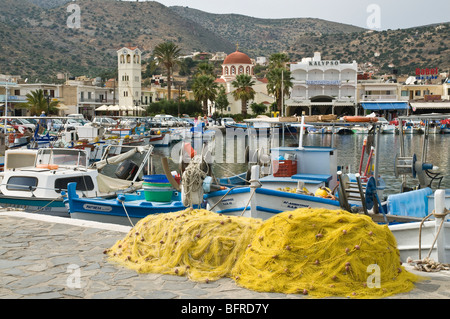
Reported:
(125, 209)
(304, 168)
(38, 187)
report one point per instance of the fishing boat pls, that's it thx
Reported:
(37, 188)
(430, 231)
(125, 209)
(303, 176)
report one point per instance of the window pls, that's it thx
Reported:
(84, 183)
(233, 70)
(241, 69)
(405, 93)
(417, 92)
(22, 183)
(226, 70)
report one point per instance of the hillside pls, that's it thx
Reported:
(406, 49)
(36, 42)
(39, 43)
(261, 37)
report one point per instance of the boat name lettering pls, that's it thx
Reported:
(97, 208)
(228, 201)
(289, 204)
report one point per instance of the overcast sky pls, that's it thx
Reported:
(370, 14)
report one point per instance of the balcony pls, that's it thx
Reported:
(98, 101)
(374, 98)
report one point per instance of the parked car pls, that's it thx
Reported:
(25, 123)
(71, 123)
(187, 121)
(105, 121)
(165, 120)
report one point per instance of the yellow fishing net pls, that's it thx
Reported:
(198, 243)
(317, 252)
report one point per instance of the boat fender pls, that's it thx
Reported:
(189, 150)
(207, 184)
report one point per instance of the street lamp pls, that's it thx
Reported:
(47, 97)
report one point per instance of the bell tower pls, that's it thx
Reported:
(129, 73)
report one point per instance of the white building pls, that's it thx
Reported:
(323, 87)
(129, 73)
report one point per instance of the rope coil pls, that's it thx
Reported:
(192, 180)
(428, 264)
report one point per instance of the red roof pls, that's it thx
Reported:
(237, 58)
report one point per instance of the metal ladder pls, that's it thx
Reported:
(351, 191)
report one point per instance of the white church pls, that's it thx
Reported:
(239, 63)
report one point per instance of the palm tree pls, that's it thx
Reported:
(204, 89)
(278, 60)
(279, 79)
(205, 69)
(37, 103)
(167, 54)
(244, 90)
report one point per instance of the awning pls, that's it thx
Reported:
(431, 105)
(385, 106)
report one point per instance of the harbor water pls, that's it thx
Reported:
(349, 149)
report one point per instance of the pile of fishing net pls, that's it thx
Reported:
(317, 252)
(198, 243)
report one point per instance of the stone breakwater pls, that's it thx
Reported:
(57, 258)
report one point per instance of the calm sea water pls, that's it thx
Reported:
(349, 148)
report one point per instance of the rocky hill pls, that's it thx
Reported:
(402, 49)
(36, 41)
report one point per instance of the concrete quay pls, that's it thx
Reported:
(44, 257)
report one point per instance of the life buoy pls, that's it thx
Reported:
(11, 138)
(360, 119)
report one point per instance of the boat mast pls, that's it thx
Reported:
(6, 112)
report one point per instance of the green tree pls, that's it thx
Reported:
(244, 90)
(205, 68)
(37, 102)
(205, 89)
(167, 54)
(258, 108)
(222, 100)
(278, 60)
(279, 79)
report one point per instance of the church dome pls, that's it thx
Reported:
(237, 58)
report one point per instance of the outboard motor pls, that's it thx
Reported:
(126, 170)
